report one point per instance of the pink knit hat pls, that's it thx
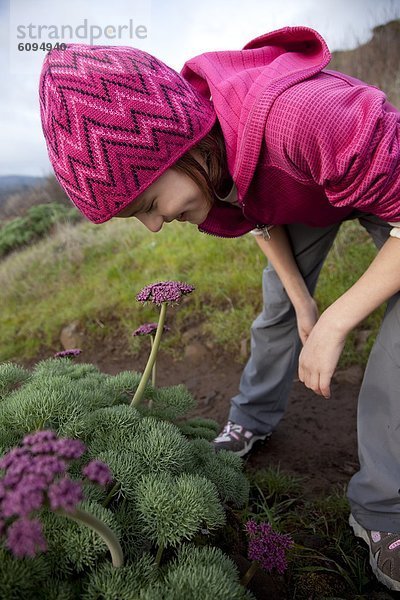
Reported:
(115, 118)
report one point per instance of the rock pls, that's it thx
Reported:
(243, 348)
(191, 334)
(209, 345)
(195, 351)
(353, 375)
(72, 336)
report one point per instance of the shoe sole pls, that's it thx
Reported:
(248, 448)
(360, 532)
(255, 440)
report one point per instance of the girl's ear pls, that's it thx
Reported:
(201, 158)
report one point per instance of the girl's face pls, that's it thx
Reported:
(174, 196)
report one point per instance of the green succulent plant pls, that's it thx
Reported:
(169, 488)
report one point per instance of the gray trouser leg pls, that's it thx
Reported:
(374, 492)
(275, 344)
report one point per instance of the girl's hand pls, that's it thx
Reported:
(307, 316)
(320, 355)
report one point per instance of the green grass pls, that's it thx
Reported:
(91, 274)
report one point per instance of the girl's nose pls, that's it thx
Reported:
(153, 222)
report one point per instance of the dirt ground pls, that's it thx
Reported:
(316, 438)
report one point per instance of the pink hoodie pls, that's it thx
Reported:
(303, 144)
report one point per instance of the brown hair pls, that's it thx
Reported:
(212, 148)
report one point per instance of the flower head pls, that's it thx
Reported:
(98, 472)
(45, 435)
(48, 466)
(24, 498)
(12, 457)
(35, 475)
(68, 353)
(65, 494)
(267, 546)
(148, 329)
(69, 448)
(25, 537)
(170, 292)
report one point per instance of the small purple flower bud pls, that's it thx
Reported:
(68, 353)
(68, 448)
(22, 500)
(148, 329)
(12, 456)
(48, 466)
(25, 538)
(98, 472)
(65, 494)
(42, 448)
(16, 469)
(45, 435)
(2, 490)
(251, 527)
(11, 479)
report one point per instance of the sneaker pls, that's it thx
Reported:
(237, 439)
(384, 555)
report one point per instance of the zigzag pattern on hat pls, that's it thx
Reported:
(114, 119)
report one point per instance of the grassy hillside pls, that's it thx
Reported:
(91, 274)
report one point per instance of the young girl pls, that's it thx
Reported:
(266, 140)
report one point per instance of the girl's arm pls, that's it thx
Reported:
(279, 253)
(322, 350)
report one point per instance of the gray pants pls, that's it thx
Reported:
(373, 491)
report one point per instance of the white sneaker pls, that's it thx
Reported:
(237, 439)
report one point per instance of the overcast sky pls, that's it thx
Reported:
(173, 30)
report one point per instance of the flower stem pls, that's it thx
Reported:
(111, 494)
(251, 571)
(153, 371)
(85, 518)
(153, 374)
(153, 354)
(159, 554)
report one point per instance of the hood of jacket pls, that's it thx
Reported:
(243, 85)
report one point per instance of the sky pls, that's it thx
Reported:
(172, 30)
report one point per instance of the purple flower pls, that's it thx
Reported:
(69, 448)
(12, 457)
(48, 466)
(65, 494)
(42, 448)
(35, 474)
(267, 546)
(25, 537)
(24, 498)
(16, 469)
(68, 353)
(148, 328)
(251, 527)
(45, 435)
(164, 291)
(98, 472)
